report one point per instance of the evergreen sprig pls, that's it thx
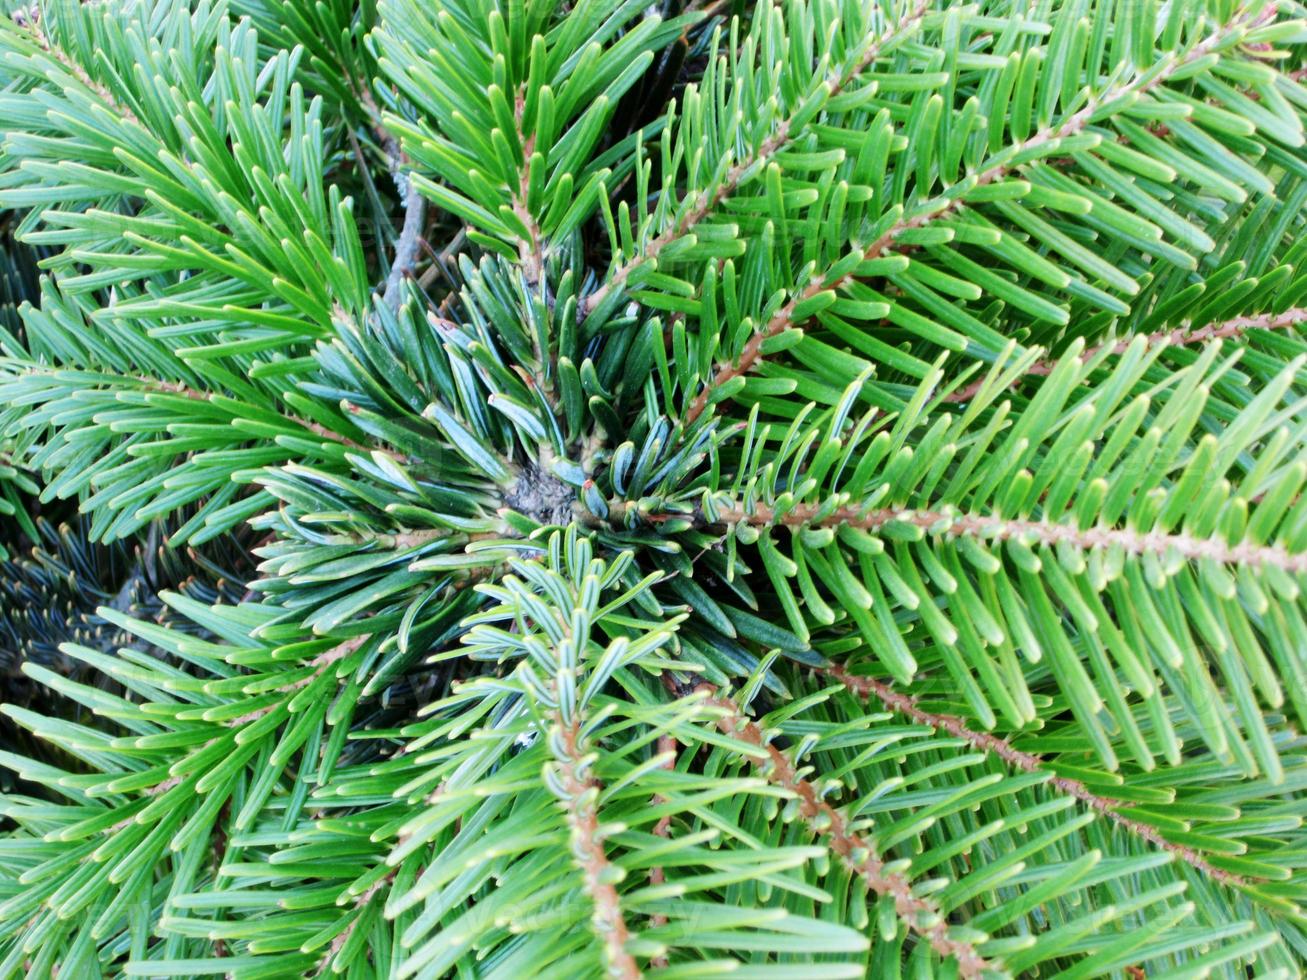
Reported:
(804, 489)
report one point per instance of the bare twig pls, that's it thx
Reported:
(408, 244)
(440, 266)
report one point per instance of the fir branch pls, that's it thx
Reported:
(1182, 336)
(921, 915)
(955, 198)
(951, 524)
(409, 243)
(320, 664)
(31, 19)
(782, 137)
(969, 178)
(578, 792)
(317, 428)
(530, 249)
(868, 687)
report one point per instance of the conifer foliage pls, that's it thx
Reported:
(785, 489)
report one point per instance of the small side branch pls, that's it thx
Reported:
(868, 688)
(531, 248)
(320, 664)
(751, 353)
(1043, 532)
(31, 20)
(1184, 336)
(409, 243)
(317, 428)
(578, 791)
(921, 915)
(955, 199)
(780, 138)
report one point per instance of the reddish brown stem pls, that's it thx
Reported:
(580, 791)
(955, 200)
(1179, 337)
(779, 139)
(868, 687)
(921, 915)
(1045, 532)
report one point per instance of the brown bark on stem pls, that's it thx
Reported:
(868, 688)
(921, 915)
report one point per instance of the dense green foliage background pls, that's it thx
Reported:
(504, 488)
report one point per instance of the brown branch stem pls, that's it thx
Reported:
(868, 688)
(779, 139)
(579, 794)
(1044, 532)
(1179, 337)
(921, 915)
(955, 199)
